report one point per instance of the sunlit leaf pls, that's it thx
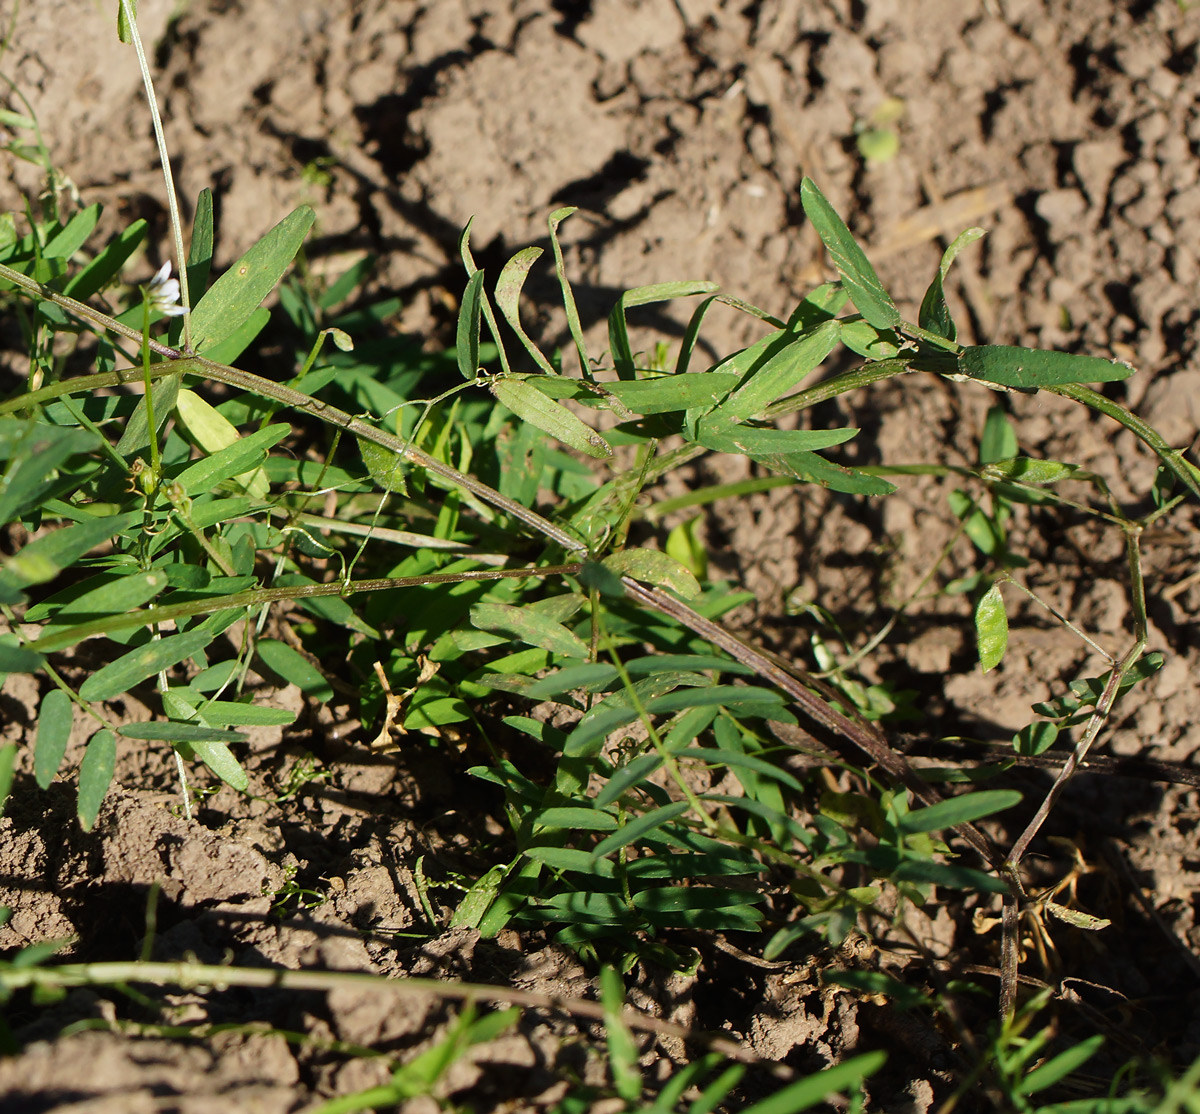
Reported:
(134, 667)
(859, 277)
(1029, 368)
(529, 404)
(231, 300)
(958, 810)
(991, 628)
(652, 566)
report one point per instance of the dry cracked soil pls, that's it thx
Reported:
(1068, 129)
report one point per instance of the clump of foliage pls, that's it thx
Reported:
(475, 545)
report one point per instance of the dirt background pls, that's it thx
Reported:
(1067, 128)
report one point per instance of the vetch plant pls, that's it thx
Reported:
(441, 554)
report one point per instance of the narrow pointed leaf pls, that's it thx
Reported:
(640, 826)
(67, 242)
(1047, 1074)
(573, 323)
(171, 731)
(1030, 368)
(8, 763)
(95, 776)
(134, 667)
(238, 460)
(958, 810)
(667, 393)
(529, 404)
(105, 267)
(219, 758)
(529, 626)
(54, 729)
(231, 300)
(782, 372)
(948, 874)
(858, 276)
(508, 299)
(991, 628)
(45, 557)
(467, 346)
(293, 667)
(721, 436)
(136, 437)
(934, 314)
(618, 328)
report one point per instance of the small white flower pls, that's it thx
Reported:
(163, 292)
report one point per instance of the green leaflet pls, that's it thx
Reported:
(230, 301)
(467, 347)
(8, 762)
(67, 242)
(991, 628)
(289, 664)
(232, 457)
(136, 437)
(858, 276)
(654, 567)
(618, 329)
(124, 33)
(934, 314)
(219, 758)
(101, 270)
(45, 557)
(726, 437)
(54, 729)
(666, 393)
(170, 731)
(530, 405)
(781, 371)
(95, 776)
(573, 323)
(508, 297)
(1028, 368)
(385, 466)
(958, 810)
(134, 667)
(33, 451)
(529, 626)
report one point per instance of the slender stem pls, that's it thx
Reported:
(155, 459)
(1148, 435)
(189, 976)
(255, 597)
(176, 362)
(168, 177)
(832, 724)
